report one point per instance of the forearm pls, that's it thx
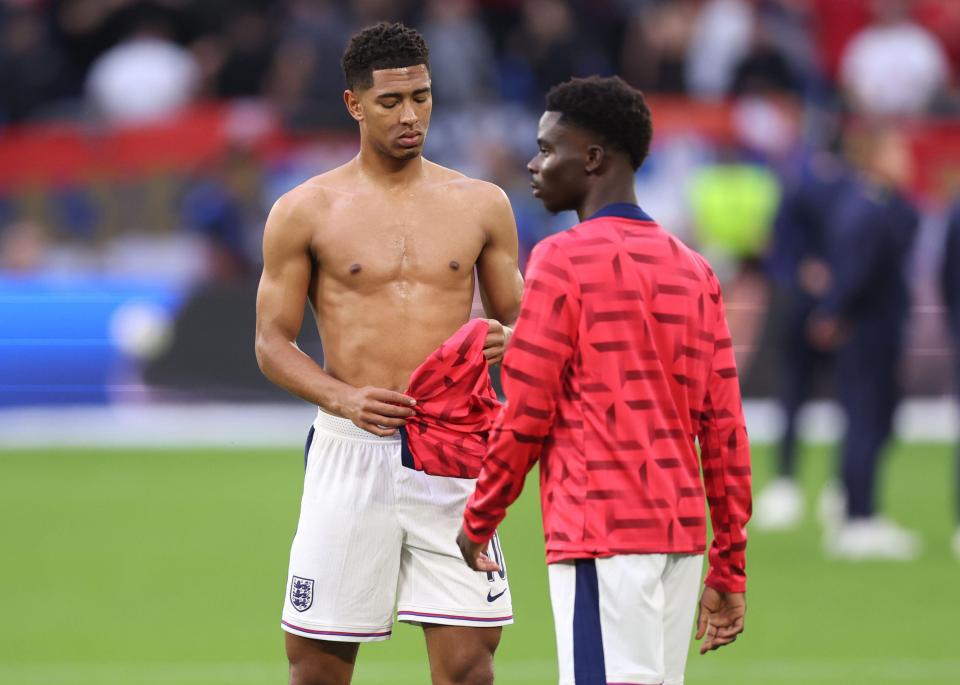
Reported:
(500, 483)
(288, 367)
(725, 455)
(725, 460)
(516, 440)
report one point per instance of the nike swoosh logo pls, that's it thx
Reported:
(494, 597)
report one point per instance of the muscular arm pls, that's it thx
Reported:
(281, 298)
(501, 285)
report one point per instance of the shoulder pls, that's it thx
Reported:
(478, 192)
(555, 249)
(316, 194)
(308, 203)
(694, 265)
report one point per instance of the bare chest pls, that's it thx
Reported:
(367, 244)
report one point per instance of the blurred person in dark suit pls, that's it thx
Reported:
(950, 280)
(797, 264)
(862, 317)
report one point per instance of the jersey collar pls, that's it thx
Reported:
(623, 210)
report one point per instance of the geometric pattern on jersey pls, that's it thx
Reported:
(456, 406)
(620, 363)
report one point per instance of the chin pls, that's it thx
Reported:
(553, 207)
(408, 152)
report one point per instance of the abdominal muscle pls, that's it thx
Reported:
(380, 336)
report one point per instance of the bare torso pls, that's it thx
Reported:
(392, 271)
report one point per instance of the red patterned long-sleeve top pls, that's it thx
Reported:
(620, 362)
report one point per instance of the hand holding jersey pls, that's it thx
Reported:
(377, 410)
(498, 336)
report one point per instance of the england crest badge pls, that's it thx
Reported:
(301, 593)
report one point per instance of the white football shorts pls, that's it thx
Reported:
(624, 619)
(373, 535)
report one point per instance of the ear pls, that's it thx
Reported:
(354, 108)
(594, 161)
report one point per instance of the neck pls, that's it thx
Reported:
(388, 170)
(601, 195)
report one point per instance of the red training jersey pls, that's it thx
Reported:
(621, 359)
(456, 406)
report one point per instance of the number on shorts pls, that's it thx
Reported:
(497, 557)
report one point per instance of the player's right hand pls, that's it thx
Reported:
(378, 410)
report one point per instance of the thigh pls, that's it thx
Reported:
(562, 577)
(345, 558)
(318, 662)
(632, 604)
(460, 655)
(436, 586)
(681, 589)
(609, 619)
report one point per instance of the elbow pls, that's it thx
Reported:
(263, 352)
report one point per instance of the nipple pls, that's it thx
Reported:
(355, 268)
(455, 265)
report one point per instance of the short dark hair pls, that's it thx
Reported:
(382, 46)
(609, 107)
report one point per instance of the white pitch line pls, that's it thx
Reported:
(285, 425)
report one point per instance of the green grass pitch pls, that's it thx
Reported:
(149, 567)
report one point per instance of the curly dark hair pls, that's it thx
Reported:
(609, 107)
(382, 46)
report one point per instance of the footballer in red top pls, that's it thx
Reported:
(620, 364)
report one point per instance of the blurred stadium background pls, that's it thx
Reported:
(149, 477)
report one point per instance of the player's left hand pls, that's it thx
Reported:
(497, 337)
(473, 554)
(720, 618)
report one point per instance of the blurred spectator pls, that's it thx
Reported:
(224, 208)
(764, 68)
(462, 62)
(733, 204)
(33, 71)
(797, 265)
(305, 81)
(721, 37)
(248, 54)
(789, 25)
(862, 316)
(88, 28)
(655, 46)
(951, 295)
(146, 76)
(893, 66)
(549, 48)
(942, 18)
